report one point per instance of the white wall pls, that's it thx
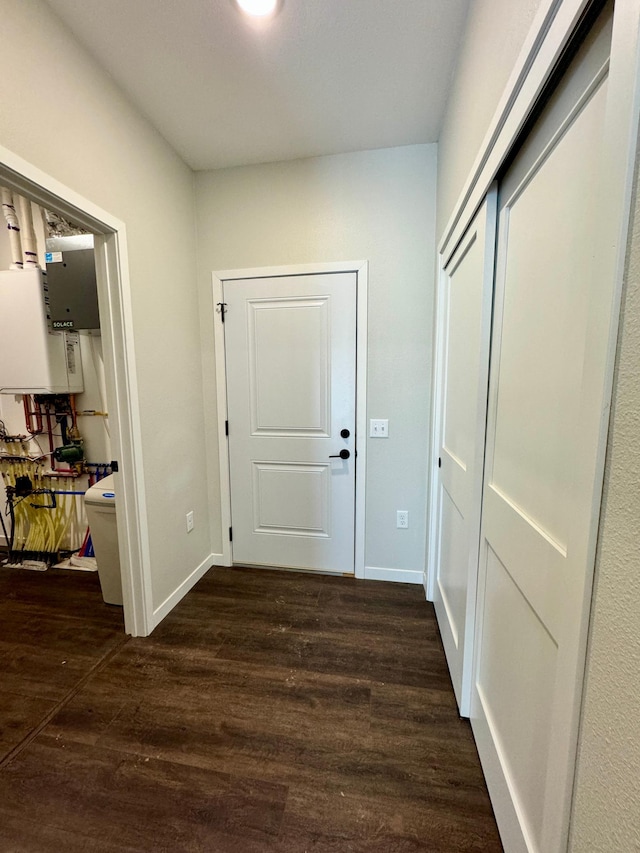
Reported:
(494, 34)
(607, 802)
(373, 205)
(60, 112)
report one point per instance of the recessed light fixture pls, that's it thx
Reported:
(258, 8)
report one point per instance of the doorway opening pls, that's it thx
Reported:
(105, 348)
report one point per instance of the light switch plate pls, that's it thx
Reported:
(379, 428)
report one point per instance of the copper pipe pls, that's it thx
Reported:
(28, 414)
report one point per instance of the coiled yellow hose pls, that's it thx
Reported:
(39, 528)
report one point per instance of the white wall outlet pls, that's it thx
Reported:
(189, 521)
(402, 518)
(379, 428)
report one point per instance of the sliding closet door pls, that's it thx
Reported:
(545, 405)
(464, 322)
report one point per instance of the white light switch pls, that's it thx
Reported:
(379, 428)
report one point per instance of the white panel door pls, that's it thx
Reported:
(545, 407)
(291, 371)
(464, 322)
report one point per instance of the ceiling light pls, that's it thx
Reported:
(258, 8)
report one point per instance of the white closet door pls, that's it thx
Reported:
(464, 322)
(545, 405)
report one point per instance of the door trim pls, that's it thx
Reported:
(116, 318)
(361, 270)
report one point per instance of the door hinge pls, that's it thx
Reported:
(231, 534)
(114, 466)
(222, 307)
(439, 462)
(226, 427)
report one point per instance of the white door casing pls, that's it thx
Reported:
(464, 328)
(288, 381)
(545, 405)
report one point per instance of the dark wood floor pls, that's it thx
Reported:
(274, 712)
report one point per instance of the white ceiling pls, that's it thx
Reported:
(323, 77)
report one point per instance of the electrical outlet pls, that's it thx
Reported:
(402, 518)
(189, 521)
(379, 428)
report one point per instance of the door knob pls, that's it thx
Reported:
(344, 454)
(345, 433)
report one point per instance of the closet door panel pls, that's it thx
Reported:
(537, 519)
(464, 325)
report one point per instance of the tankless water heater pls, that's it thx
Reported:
(71, 278)
(34, 359)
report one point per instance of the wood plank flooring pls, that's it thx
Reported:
(271, 712)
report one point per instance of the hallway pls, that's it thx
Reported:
(269, 712)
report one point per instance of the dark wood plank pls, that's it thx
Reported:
(142, 803)
(20, 836)
(18, 716)
(373, 657)
(417, 712)
(293, 588)
(54, 629)
(381, 824)
(74, 594)
(270, 712)
(254, 720)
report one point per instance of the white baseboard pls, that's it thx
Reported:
(188, 583)
(374, 573)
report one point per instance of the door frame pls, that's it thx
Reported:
(361, 270)
(116, 321)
